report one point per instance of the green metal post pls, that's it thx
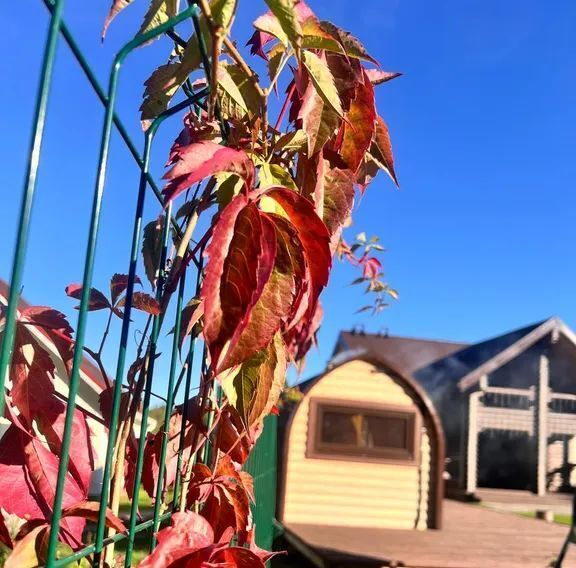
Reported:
(168, 411)
(147, 394)
(28, 195)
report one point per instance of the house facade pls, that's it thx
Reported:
(507, 404)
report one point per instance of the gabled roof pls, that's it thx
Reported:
(507, 347)
(406, 354)
(462, 363)
(434, 363)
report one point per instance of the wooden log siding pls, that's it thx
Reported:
(355, 493)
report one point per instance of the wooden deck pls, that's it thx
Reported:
(472, 537)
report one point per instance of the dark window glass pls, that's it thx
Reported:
(365, 432)
(341, 428)
(386, 432)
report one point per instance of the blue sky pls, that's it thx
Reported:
(483, 123)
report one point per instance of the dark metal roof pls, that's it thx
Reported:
(458, 364)
(406, 354)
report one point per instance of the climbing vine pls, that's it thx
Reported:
(276, 190)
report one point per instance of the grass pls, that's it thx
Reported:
(558, 518)
(142, 538)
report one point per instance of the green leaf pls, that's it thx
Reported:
(228, 186)
(254, 387)
(238, 96)
(275, 56)
(285, 12)
(292, 141)
(274, 174)
(323, 80)
(163, 84)
(223, 12)
(159, 12)
(152, 248)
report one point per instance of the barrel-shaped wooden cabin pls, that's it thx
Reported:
(363, 448)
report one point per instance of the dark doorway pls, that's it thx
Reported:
(504, 459)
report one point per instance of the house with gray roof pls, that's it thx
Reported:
(507, 404)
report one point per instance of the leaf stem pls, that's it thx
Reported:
(284, 107)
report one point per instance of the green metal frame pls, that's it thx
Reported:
(58, 29)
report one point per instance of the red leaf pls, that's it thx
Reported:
(258, 41)
(96, 301)
(89, 510)
(240, 262)
(237, 557)
(202, 159)
(50, 420)
(319, 120)
(382, 149)
(191, 314)
(301, 337)
(251, 261)
(43, 467)
(189, 534)
(17, 494)
(224, 497)
(313, 235)
(116, 7)
(371, 267)
(338, 201)
(32, 373)
(54, 325)
(118, 285)
(144, 302)
(273, 309)
(231, 436)
(377, 76)
(359, 127)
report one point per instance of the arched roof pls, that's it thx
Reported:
(418, 394)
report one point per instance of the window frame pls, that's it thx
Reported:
(317, 449)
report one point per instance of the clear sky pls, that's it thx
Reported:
(480, 237)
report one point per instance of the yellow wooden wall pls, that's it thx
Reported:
(350, 493)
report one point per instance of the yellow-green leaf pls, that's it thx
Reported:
(254, 387)
(223, 12)
(238, 96)
(323, 80)
(275, 56)
(292, 141)
(274, 174)
(159, 11)
(285, 12)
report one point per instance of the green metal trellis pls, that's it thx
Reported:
(58, 29)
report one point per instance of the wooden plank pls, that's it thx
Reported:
(472, 537)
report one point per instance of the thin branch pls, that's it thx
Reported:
(285, 60)
(98, 361)
(105, 336)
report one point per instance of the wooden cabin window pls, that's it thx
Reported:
(380, 432)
